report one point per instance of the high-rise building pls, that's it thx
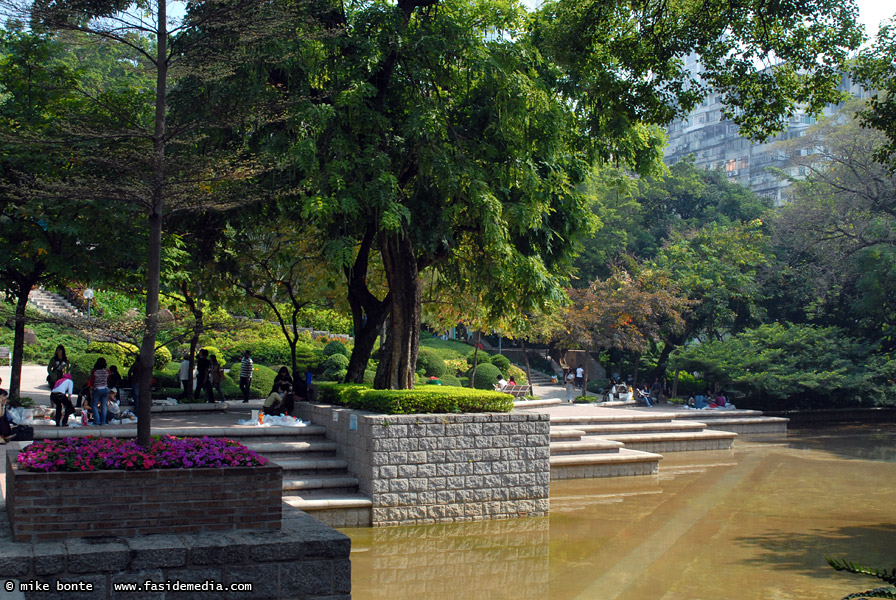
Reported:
(715, 144)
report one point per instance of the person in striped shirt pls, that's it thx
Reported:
(246, 374)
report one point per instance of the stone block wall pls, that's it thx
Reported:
(303, 560)
(443, 468)
(46, 506)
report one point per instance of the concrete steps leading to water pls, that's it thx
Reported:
(614, 443)
(315, 479)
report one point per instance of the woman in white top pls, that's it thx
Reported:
(62, 397)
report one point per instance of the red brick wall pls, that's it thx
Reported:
(44, 506)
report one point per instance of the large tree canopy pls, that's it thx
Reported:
(456, 135)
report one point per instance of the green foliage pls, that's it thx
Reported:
(112, 304)
(48, 335)
(446, 349)
(427, 399)
(125, 354)
(688, 385)
(335, 347)
(430, 363)
(212, 350)
(503, 364)
(486, 376)
(161, 358)
(482, 357)
(262, 380)
(856, 569)
(795, 366)
(336, 361)
(82, 365)
(449, 379)
(168, 376)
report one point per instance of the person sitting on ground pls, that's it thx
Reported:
(282, 382)
(61, 396)
(6, 423)
(274, 405)
(502, 383)
(644, 395)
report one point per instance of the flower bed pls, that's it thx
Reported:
(167, 452)
(96, 487)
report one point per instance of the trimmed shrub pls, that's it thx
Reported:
(162, 358)
(427, 399)
(82, 365)
(518, 374)
(503, 364)
(124, 353)
(482, 358)
(336, 361)
(215, 351)
(449, 379)
(262, 380)
(335, 347)
(457, 366)
(430, 364)
(486, 377)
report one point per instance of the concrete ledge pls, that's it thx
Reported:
(558, 433)
(626, 463)
(319, 482)
(527, 404)
(236, 431)
(627, 456)
(680, 426)
(585, 446)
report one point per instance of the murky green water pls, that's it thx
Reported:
(752, 523)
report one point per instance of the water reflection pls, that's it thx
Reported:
(754, 522)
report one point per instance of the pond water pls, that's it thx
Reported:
(754, 522)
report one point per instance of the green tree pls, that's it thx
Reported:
(463, 131)
(715, 268)
(46, 237)
(838, 234)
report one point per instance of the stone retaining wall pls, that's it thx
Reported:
(304, 560)
(45, 506)
(442, 468)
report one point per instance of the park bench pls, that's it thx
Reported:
(4, 354)
(518, 391)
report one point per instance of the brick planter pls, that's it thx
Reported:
(46, 506)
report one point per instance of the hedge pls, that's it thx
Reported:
(430, 363)
(428, 399)
(262, 380)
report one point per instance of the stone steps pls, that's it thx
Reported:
(336, 510)
(674, 426)
(585, 447)
(688, 441)
(622, 463)
(53, 304)
(744, 423)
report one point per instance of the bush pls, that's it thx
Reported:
(336, 361)
(162, 358)
(457, 366)
(486, 377)
(427, 399)
(449, 379)
(335, 347)
(503, 364)
(213, 350)
(124, 353)
(430, 364)
(482, 358)
(82, 365)
(262, 380)
(518, 374)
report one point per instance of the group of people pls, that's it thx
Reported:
(210, 375)
(100, 395)
(285, 393)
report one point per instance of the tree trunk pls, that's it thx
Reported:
(156, 214)
(369, 313)
(585, 378)
(398, 357)
(669, 346)
(528, 368)
(198, 327)
(18, 345)
(675, 385)
(475, 359)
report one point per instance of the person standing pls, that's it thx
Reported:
(184, 375)
(99, 388)
(203, 364)
(217, 376)
(580, 376)
(246, 374)
(570, 385)
(58, 366)
(61, 396)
